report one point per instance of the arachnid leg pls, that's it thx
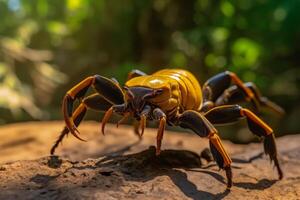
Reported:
(144, 115)
(215, 86)
(159, 115)
(136, 128)
(120, 109)
(95, 102)
(107, 88)
(202, 127)
(231, 113)
(78, 116)
(141, 124)
(135, 73)
(234, 95)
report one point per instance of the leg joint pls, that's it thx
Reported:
(216, 142)
(212, 135)
(80, 89)
(256, 123)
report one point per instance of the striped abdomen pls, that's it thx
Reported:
(181, 90)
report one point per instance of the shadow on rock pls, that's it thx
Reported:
(42, 179)
(118, 152)
(255, 157)
(179, 178)
(145, 166)
(260, 185)
(141, 164)
(214, 175)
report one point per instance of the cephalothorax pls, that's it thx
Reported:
(174, 97)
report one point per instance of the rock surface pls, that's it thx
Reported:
(119, 166)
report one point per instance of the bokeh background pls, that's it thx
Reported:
(47, 46)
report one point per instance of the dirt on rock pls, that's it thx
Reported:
(120, 166)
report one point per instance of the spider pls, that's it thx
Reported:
(174, 97)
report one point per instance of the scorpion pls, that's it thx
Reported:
(174, 97)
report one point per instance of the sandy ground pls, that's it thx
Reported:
(119, 166)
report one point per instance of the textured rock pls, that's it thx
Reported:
(119, 166)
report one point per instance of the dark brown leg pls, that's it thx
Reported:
(231, 113)
(202, 127)
(159, 115)
(144, 115)
(108, 89)
(95, 102)
(234, 95)
(215, 86)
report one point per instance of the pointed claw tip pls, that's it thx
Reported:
(83, 140)
(73, 132)
(103, 127)
(106, 117)
(102, 131)
(280, 176)
(142, 133)
(79, 138)
(143, 125)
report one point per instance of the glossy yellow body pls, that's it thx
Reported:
(181, 90)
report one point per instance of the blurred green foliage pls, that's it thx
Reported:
(49, 45)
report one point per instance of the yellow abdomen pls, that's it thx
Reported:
(191, 93)
(181, 90)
